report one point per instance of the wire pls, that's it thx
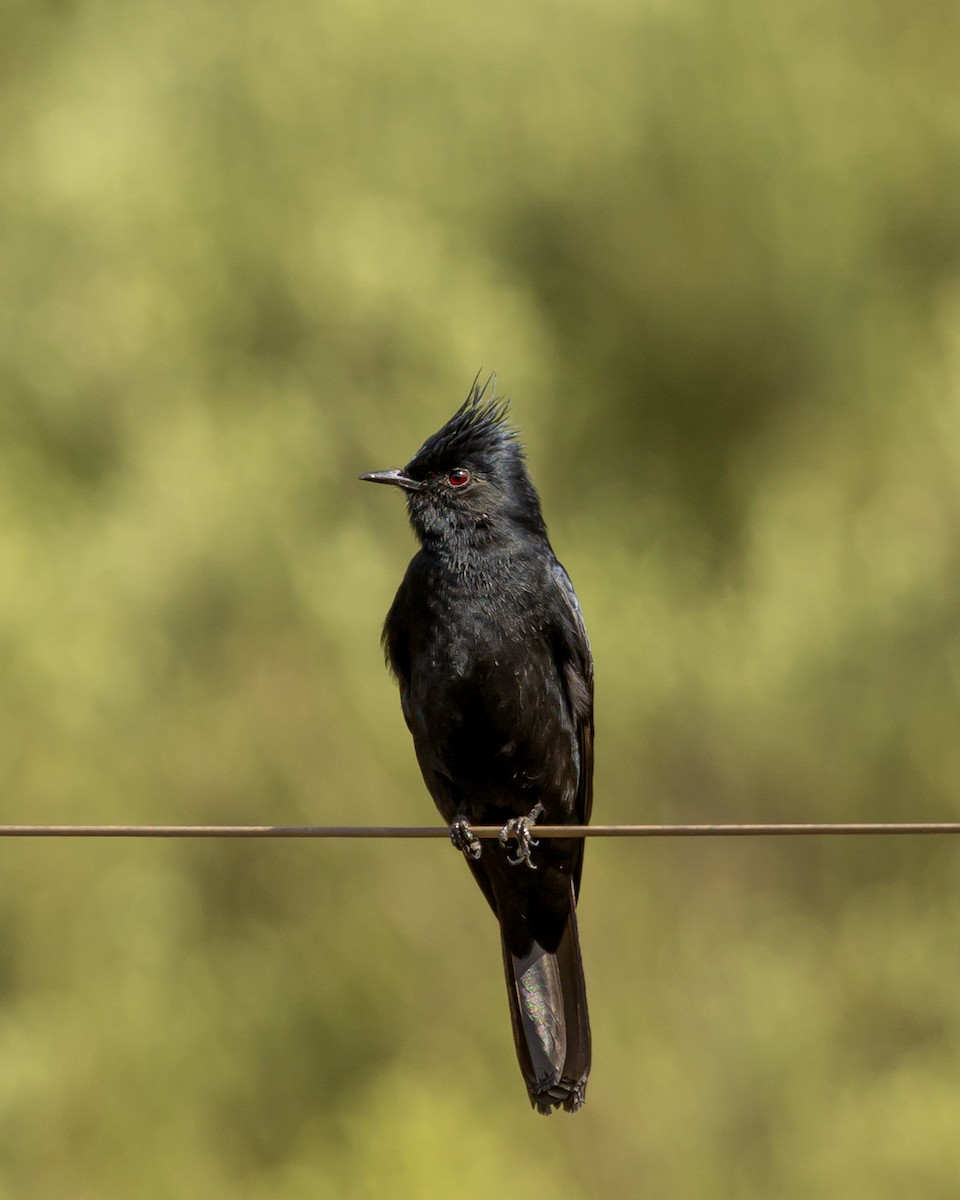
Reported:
(480, 831)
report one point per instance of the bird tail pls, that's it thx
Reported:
(551, 1028)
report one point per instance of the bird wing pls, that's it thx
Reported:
(576, 668)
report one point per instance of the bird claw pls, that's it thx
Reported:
(518, 828)
(464, 839)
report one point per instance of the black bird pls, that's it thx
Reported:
(486, 639)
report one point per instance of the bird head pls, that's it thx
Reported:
(468, 483)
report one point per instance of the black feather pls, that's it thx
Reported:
(487, 641)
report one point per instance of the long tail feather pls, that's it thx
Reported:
(551, 1026)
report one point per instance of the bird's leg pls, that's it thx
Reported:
(519, 828)
(464, 838)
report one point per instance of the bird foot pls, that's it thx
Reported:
(519, 829)
(464, 838)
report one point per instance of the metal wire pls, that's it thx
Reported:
(480, 831)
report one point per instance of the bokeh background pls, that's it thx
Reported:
(247, 252)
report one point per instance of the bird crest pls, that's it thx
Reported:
(476, 430)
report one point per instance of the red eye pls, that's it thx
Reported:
(458, 477)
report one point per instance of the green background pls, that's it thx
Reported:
(248, 251)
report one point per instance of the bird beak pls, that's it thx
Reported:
(396, 477)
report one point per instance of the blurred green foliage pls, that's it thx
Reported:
(250, 251)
